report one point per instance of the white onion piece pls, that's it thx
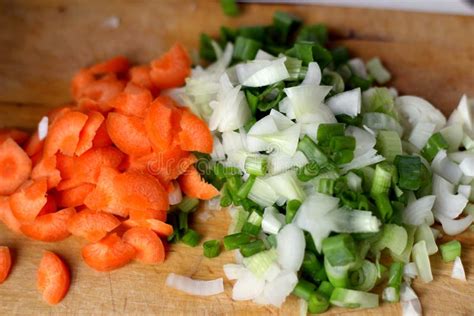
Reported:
(453, 227)
(462, 115)
(357, 65)
(419, 212)
(364, 139)
(175, 196)
(218, 151)
(459, 156)
(436, 233)
(259, 73)
(305, 99)
(43, 128)
(367, 159)
(232, 141)
(234, 271)
(285, 141)
(281, 121)
(263, 55)
(276, 291)
(290, 247)
(415, 109)
(348, 103)
(411, 305)
(247, 287)
(286, 107)
(313, 74)
(238, 256)
(465, 190)
(458, 270)
(303, 304)
(195, 287)
(410, 270)
(271, 222)
(447, 204)
(453, 135)
(446, 168)
(467, 166)
(279, 162)
(421, 133)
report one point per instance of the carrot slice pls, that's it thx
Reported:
(171, 69)
(50, 206)
(92, 225)
(128, 134)
(108, 254)
(80, 81)
(140, 75)
(161, 228)
(116, 65)
(194, 134)
(87, 167)
(147, 214)
(15, 166)
(53, 278)
(134, 100)
(102, 138)
(87, 135)
(140, 191)
(6, 215)
(28, 201)
(34, 145)
(103, 91)
(65, 165)
(64, 133)
(46, 168)
(5, 263)
(18, 136)
(168, 165)
(75, 196)
(149, 248)
(56, 113)
(193, 186)
(49, 227)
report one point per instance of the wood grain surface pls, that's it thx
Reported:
(42, 44)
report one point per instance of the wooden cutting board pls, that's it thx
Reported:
(42, 44)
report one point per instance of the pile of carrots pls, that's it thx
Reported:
(105, 169)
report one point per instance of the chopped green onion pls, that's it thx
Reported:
(246, 187)
(317, 303)
(291, 208)
(389, 144)
(259, 263)
(246, 48)
(450, 250)
(234, 241)
(365, 278)
(311, 151)
(435, 143)
(206, 51)
(405, 255)
(308, 171)
(326, 186)
(303, 289)
(249, 124)
(253, 32)
(256, 165)
(317, 33)
(422, 260)
(284, 23)
(339, 250)
(224, 172)
(353, 299)
(382, 178)
(332, 78)
(338, 143)
(394, 237)
(359, 82)
(304, 52)
(409, 172)
(239, 217)
(183, 221)
(340, 55)
(230, 7)
(378, 71)
(252, 248)
(252, 101)
(327, 131)
(253, 224)
(338, 276)
(382, 201)
(424, 232)
(191, 238)
(326, 289)
(343, 156)
(321, 55)
(233, 185)
(188, 204)
(271, 241)
(311, 266)
(226, 199)
(395, 274)
(227, 35)
(212, 248)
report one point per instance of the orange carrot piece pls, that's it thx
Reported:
(46, 168)
(87, 135)
(87, 167)
(128, 134)
(149, 248)
(147, 214)
(80, 81)
(168, 165)
(50, 227)
(6, 215)
(192, 185)
(5, 263)
(103, 91)
(50, 206)
(56, 113)
(15, 166)
(102, 138)
(140, 75)
(63, 135)
(92, 225)
(65, 165)
(20, 137)
(194, 134)
(134, 100)
(140, 191)
(161, 228)
(28, 201)
(171, 69)
(33, 146)
(75, 196)
(115, 65)
(53, 278)
(108, 254)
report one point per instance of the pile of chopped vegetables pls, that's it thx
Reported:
(106, 168)
(326, 173)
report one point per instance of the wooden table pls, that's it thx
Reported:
(43, 42)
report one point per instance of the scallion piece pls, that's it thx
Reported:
(337, 275)
(450, 250)
(252, 248)
(206, 51)
(253, 225)
(326, 186)
(359, 82)
(311, 264)
(326, 289)
(191, 238)
(339, 250)
(332, 78)
(378, 71)
(409, 172)
(224, 172)
(212, 248)
(256, 165)
(283, 24)
(382, 201)
(183, 221)
(422, 260)
(340, 55)
(234, 241)
(327, 131)
(226, 199)
(246, 187)
(317, 303)
(308, 171)
(389, 144)
(317, 33)
(343, 156)
(338, 143)
(353, 299)
(188, 204)
(253, 32)
(291, 208)
(230, 7)
(246, 48)
(304, 289)
(435, 143)
(364, 278)
(382, 180)
(311, 150)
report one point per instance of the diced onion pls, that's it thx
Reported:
(259, 73)
(175, 196)
(348, 103)
(195, 287)
(419, 211)
(415, 109)
(234, 271)
(421, 133)
(313, 75)
(454, 227)
(447, 203)
(247, 287)
(458, 270)
(467, 166)
(290, 247)
(43, 128)
(410, 270)
(446, 168)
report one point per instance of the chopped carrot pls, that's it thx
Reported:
(92, 225)
(115, 65)
(53, 278)
(87, 167)
(102, 138)
(140, 191)
(171, 69)
(140, 75)
(87, 135)
(47, 168)
(147, 214)
(168, 165)
(134, 100)
(161, 228)
(34, 145)
(149, 248)
(49, 227)
(28, 201)
(75, 196)
(103, 91)
(50, 206)
(80, 81)
(63, 135)
(128, 134)
(6, 215)
(194, 134)
(5, 263)
(15, 166)
(193, 186)
(65, 165)
(56, 113)
(18, 136)
(108, 254)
